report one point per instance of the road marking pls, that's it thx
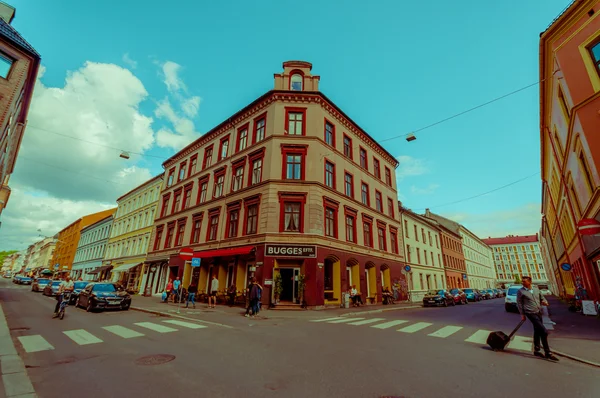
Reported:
(156, 327)
(389, 324)
(123, 331)
(479, 337)
(345, 320)
(324, 320)
(521, 344)
(35, 343)
(415, 327)
(367, 321)
(445, 331)
(82, 337)
(186, 324)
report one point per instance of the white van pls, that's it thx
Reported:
(510, 301)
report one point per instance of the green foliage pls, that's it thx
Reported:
(301, 286)
(5, 254)
(278, 285)
(518, 280)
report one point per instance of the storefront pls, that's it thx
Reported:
(101, 273)
(128, 275)
(154, 277)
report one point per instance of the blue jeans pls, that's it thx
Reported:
(255, 306)
(190, 299)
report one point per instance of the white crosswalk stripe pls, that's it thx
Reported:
(445, 331)
(344, 320)
(521, 343)
(390, 324)
(82, 337)
(366, 321)
(325, 319)
(185, 324)
(415, 327)
(479, 337)
(121, 331)
(35, 343)
(156, 327)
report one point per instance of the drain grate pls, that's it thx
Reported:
(152, 360)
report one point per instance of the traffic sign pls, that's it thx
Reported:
(186, 253)
(195, 262)
(566, 267)
(407, 268)
(589, 226)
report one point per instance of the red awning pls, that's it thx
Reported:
(230, 251)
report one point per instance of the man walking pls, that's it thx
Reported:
(530, 302)
(214, 289)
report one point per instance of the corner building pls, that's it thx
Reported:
(288, 186)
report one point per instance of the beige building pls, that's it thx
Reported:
(40, 254)
(289, 190)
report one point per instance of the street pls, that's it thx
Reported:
(421, 352)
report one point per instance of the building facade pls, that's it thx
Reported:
(39, 254)
(570, 144)
(130, 237)
(423, 253)
(68, 240)
(455, 266)
(19, 64)
(518, 256)
(91, 249)
(289, 190)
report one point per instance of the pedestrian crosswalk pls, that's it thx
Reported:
(404, 326)
(82, 337)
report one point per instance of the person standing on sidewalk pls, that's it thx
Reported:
(192, 290)
(214, 289)
(176, 290)
(530, 302)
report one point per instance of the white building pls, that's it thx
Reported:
(91, 249)
(518, 256)
(423, 254)
(479, 260)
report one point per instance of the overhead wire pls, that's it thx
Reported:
(69, 171)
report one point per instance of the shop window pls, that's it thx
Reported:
(378, 202)
(203, 189)
(381, 238)
(165, 205)
(294, 158)
(170, 179)
(187, 196)
(213, 225)
(224, 148)
(394, 240)
(329, 174)
(292, 212)
(196, 227)
(180, 233)
(176, 201)
(363, 158)
(368, 231)
(251, 210)
(376, 168)
(242, 138)
(237, 182)
(329, 133)
(390, 202)
(295, 121)
(193, 165)
(256, 163)
(259, 128)
(347, 147)
(388, 176)
(233, 219)
(208, 153)
(349, 185)
(170, 233)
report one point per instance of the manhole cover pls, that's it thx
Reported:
(151, 360)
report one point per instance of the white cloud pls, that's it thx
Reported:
(428, 190)
(411, 167)
(522, 220)
(130, 62)
(172, 79)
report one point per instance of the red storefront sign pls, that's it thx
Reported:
(589, 226)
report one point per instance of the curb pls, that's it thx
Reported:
(167, 314)
(380, 311)
(577, 359)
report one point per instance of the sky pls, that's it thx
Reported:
(149, 77)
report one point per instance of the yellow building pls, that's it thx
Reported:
(129, 239)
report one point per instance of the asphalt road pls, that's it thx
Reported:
(304, 357)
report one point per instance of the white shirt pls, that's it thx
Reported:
(214, 285)
(353, 292)
(67, 286)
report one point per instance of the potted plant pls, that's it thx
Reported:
(278, 287)
(301, 287)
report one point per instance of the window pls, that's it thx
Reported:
(177, 201)
(213, 226)
(368, 231)
(233, 221)
(376, 168)
(330, 222)
(196, 226)
(350, 225)
(347, 147)
(293, 161)
(329, 174)
(259, 128)
(430, 240)
(224, 148)
(394, 240)
(408, 252)
(391, 207)
(295, 121)
(182, 168)
(437, 243)
(425, 255)
(586, 171)
(193, 164)
(406, 228)
(242, 138)
(292, 211)
(418, 255)
(423, 235)
(203, 189)
(238, 178)
(165, 205)
(296, 82)
(208, 152)
(388, 176)
(251, 218)
(256, 176)
(349, 185)
(219, 183)
(594, 52)
(169, 179)
(329, 134)
(363, 159)
(416, 233)
(381, 237)
(432, 259)
(5, 65)
(180, 233)
(378, 202)
(170, 232)
(187, 196)
(364, 194)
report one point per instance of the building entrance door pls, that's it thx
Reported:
(289, 279)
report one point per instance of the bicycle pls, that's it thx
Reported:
(63, 304)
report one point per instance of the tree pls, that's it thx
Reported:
(518, 280)
(5, 254)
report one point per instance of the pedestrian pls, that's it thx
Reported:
(214, 289)
(192, 290)
(255, 293)
(169, 289)
(231, 292)
(530, 302)
(176, 290)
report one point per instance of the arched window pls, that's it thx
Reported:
(296, 82)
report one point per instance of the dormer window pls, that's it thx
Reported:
(296, 82)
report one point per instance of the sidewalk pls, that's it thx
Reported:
(574, 334)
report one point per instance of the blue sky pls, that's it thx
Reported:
(393, 66)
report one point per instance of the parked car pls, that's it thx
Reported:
(473, 294)
(438, 297)
(510, 301)
(489, 294)
(459, 296)
(499, 293)
(546, 292)
(51, 289)
(17, 278)
(7, 275)
(102, 295)
(77, 288)
(25, 280)
(39, 284)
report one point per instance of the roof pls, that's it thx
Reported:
(101, 221)
(431, 223)
(563, 12)
(445, 222)
(9, 33)
(511, 239)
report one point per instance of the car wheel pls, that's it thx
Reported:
(507, 308)
(453, 303)
(126, 307)
(89, 307)
(466, 301)
(77, 303)
(445, 303)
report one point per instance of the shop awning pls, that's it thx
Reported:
(230, 251)
(99, 269)
(126, 267)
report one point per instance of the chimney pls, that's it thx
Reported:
(427, 213)
(7, 12)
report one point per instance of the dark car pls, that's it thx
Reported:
(459, 296)
(103, 295)
(438, 297)
(51, 289)
(39, 284)
(473, 294)
(500, 293)
(492, 293)
(77, 288)
(16, 278)
(25, 280)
